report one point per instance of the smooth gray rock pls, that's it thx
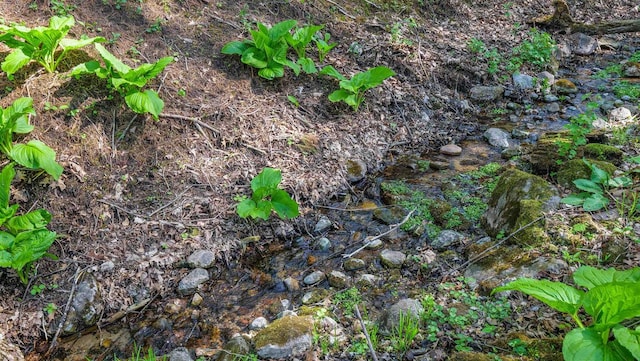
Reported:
(353, 264)
(497, 137)
(314, 277)
(323, 224)
(522, 81)
(406, 306)
(553, 107)
(582, 44)
(338, 279)
(323, 244)
(451, 149)
(367, 279)
(620, 115)
(446, 238)
(356, 170)
(258, 323)
(189, 284)
(486, 93)
(180, 354)
(86, 305)
(392, 259)
(291, 284)
(201, 259)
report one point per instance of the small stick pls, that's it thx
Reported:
(169, 203)
(54, 341)
(366, 334)
(368, 242)
(195, 120)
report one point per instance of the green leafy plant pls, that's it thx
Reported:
(34, 154)
(267, 196)
(611, 297)
(127, 81)
(406, 330)
(593, 196)
(624, 88)
(267, 50)
(46, 45)
(323, 45)
(578, 127)
(352, 90)
(299, 41)
(536, 52)
(24, 239)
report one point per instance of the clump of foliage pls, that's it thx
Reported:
(536, 52)
(624, 88)
(47, 46)
(24, 239)
(267, 196)
(594, 190)
(34, 154)
(352, 90)
(611, 297)
(578, 127)
(323, 44)
(127, 81)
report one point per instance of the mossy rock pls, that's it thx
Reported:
(544, 156)
(603, 152)
(478, 356)
(447, 217)
(530, 224)
(507, 212)
(544, 349)
(577, 169)
(289, 335)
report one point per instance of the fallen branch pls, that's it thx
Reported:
(366, 335)
(370, 240)
(561, 20)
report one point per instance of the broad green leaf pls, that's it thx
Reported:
(557, 295)
(6, 259)
(260, 39)
(575, 199)
(588, 186)
(255, 57)
(6, 240)
(589, 277)
(145, 72)
(72, 44)
(16, 116)
(90, 67)
(262, 210)
(245, 208)
(29, 247)
(339, 95)
(271, 73)
(620, 182)
(295, 67)
(307, 65)
(280, 29)
(37, 155)
(6, 176)
(236, 47)
(15, 61)
(628, 339)
(266, 181)
(63, 23)
(598, 175)
(585, 344)
(612, 303)
(377, 75)
(33, 220)
(145, 102)
(111, 60)
(7, 213)
(351, 84)
(332, 72)
(595, 202)
(284, 206)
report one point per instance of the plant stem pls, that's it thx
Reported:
(575, 318)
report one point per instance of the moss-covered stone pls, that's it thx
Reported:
(544, 155)
(577, 169)
(507, 211)
(478, 356)
(530, 223)
(289, 335)
(603, 152)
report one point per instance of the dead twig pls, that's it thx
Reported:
(170, 203)
(366, 335)
(369, 240)
(121, 208)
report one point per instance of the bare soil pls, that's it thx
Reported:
(133, 185)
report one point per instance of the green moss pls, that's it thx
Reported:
(284, 330)
(531, 234)
(577, 169)
(603, 152)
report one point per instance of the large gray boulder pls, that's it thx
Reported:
(285, 337)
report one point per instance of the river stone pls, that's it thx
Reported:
(509, 206)
(550, 98)
(338, 279)
(196, 300)
(323, 224)
(392, 259)
(620, 115)
(315, 296)
(406, 306)
(486, 93)
(9, 351)
(522, 81)
(497, 137)
(238, 345)
(180, 354)
(323, 244)
(189, 284)
(565, 86)
(445, 239)
(258, 323)
(201, 259)
(553, 107)
(291, 284)
(632, 69)
(314, 277)
(356, 170)
(353, 264)
(367, 279)
(451, 149)
(86, 305)
(285, 337)
(545, 75)
(582, 44)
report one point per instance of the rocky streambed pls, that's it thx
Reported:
(429, 237)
